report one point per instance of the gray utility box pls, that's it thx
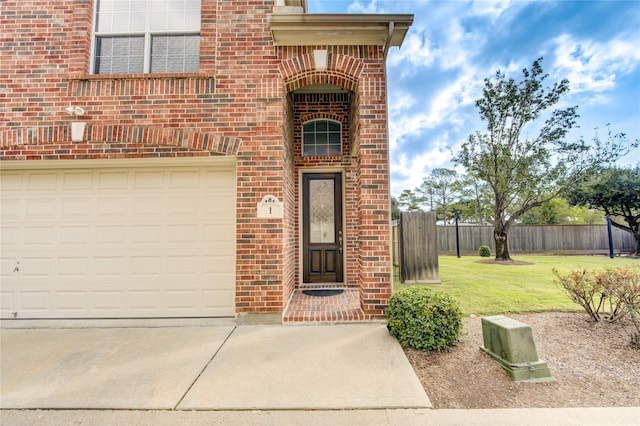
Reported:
(510, 343)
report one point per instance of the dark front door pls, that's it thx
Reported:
(322, 227)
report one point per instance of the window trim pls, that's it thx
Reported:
(147, 34)
(327, 120)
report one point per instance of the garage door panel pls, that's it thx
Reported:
(182, 233)
(146, 234)
(218, 280)
(42, 181)
(219, 178)
(34, 302)
(149, 206)
(7, 303)
(216, 264)
(76, 180)
(149, 179)
(77, 207)
(41, 208)
(114, 207)
(71, 302)
(184, 206)
(43, 235)
(220, 233)
(141, 300)
(10, 209)
(108, 266)
(10, 236)
(32, 267)
(8, 268)
(11, 179)
(110, 234)
(183, 299)
(146, 266)
(74, 236)
(183, 266)
(112, 179)
(212, 299)
(118, 243)
(185, 179)
(73, 267)
(108, 300)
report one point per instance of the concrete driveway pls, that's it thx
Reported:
(210, 367)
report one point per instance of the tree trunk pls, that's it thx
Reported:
(632, 228)
(500, 238)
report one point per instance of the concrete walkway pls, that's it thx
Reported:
(223, 367)
(387, 417)
(188, 373)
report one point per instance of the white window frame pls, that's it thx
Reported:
(147, 34)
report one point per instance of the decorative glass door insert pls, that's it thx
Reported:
(322, 220)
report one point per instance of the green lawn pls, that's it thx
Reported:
(485, 289)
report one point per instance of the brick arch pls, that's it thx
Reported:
(342, 70)
(321, 116)
(112, 140)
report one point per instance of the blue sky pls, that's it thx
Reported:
(437, 75)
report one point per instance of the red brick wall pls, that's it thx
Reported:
(235, 105)
(360, 70)
(247, 79)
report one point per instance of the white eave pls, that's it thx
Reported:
(339, 29)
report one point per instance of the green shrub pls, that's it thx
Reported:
(424, 319)
(484, 251)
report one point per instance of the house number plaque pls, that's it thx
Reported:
(270, 208)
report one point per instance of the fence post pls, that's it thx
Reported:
(608, 216)
(457, 238)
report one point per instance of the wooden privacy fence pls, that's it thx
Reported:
(567, 239)
(415, 245)
(417, 241)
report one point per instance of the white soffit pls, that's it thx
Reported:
(339, 29)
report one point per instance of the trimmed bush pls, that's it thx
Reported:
(484, 251)
(610, 294)
(423, 319)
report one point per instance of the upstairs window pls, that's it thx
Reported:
(141, 36)
(322, 138)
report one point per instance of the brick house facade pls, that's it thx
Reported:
(236, 126)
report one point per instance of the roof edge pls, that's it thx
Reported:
(340, 29)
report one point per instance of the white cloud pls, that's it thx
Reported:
(493, 8)
(409, 172)
(591, 66)
(416, 50)
(443, 107)
(358, 7)
(400, 102)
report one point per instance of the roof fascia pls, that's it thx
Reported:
(339, 29)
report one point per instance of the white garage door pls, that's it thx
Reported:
(124, 239)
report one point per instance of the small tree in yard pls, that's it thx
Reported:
(615, 191)
(525, 172)
(443, 186)
(408, 201)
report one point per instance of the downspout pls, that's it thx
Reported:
(387, 44)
